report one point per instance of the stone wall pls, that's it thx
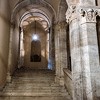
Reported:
(68, 81)
(4, 40)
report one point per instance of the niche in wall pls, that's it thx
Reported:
(35, 51)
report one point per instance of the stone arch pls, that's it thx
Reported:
(19, 10)
(39, 13)
(29, 4)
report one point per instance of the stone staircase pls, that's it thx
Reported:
(29, 84)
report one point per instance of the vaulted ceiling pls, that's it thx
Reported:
(53, 3)
(43, 11)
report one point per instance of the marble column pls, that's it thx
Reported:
(89, 55)
(61, 51)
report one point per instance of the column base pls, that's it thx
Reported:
(59, 80)
(9, 78)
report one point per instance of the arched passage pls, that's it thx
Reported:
(24, 13)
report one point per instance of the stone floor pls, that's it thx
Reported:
(28, 84)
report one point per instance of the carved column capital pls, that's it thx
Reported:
(89, 14)
(56, 27)
(60, 25)
(71, 13)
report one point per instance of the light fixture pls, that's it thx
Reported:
(35, 36)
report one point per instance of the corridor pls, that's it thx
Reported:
(30, 84)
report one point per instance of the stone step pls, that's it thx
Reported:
(34, 90)
(33, 80)
(34, 87)
(25, 93)
(33, 84)
(37, 90)
(35, 98)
